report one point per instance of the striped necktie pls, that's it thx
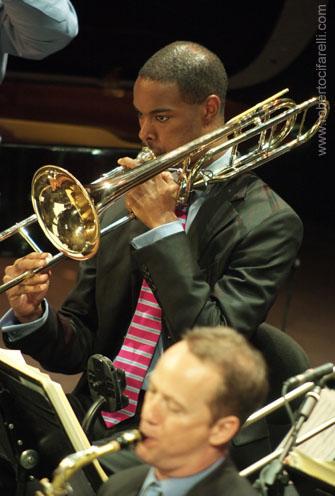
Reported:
(138, 347)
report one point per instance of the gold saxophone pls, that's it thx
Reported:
(59, 486)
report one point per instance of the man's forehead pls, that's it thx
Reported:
(179, 364)
(155, 92)
(181, 377)
(160, 85)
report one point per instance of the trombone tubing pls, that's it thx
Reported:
(7, 233)
(59, 256)
(149, 169)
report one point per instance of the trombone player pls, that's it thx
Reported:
(219, 262)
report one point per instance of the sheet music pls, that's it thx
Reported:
(13, 362)
(322, 445)
(14, 356)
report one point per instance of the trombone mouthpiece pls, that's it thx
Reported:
(145, 154)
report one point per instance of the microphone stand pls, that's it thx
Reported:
(273, 476)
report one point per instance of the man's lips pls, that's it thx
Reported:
(146, 436)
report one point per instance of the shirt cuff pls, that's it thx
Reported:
(15, 331)
(157, 233)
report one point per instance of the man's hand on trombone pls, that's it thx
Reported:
(154, 201)
(26, 298)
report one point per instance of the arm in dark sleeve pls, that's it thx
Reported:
(236, 290)
(65, 342)
(96, 313)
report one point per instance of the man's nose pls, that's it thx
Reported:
(151, 411)
(146, 132)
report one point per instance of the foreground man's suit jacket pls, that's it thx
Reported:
(224, 481)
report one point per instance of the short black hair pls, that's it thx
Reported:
(197, 71)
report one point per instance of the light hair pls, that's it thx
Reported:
(243, 370)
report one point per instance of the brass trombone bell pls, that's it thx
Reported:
(68, 212)
(65, 212)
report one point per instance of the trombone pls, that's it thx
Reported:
(68, 212)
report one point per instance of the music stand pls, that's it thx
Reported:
(311, 477)
(316, 449)
(41, 425)
(312, 462)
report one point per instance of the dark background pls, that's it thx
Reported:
(118, 37)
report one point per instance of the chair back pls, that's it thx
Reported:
(285, 358)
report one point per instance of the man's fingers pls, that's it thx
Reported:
(128, 163)
(33, 289)
(29, 262)
(26, 288)
(33, 280)
(168, 177)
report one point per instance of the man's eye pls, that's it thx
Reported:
(174, 408)
(162, 118)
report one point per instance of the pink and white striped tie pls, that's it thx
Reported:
(138, 348)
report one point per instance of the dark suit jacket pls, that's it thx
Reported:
(224, 481)
(225, 270)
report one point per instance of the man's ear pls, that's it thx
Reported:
(223, 430)
(212, 108)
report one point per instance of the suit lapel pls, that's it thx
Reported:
(140, 474)
(223, 481)
(216, 213)
(212, 484)
(127, 482)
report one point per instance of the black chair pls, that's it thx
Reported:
(285, 358)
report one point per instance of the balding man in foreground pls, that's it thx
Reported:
(200, 393)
